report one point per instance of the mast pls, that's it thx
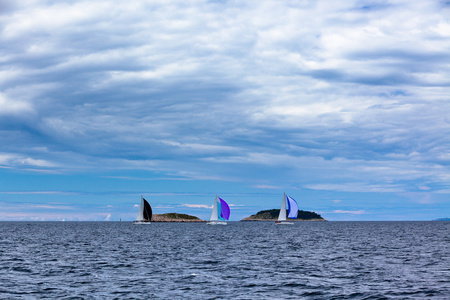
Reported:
(282, 215)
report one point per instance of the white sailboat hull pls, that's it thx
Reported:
(141, 222)
(283, 223)
(216, 223)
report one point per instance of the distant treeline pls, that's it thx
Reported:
(273, 214)
(443, 219)
(179, 216)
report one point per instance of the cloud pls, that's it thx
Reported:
(423, 197)
(348, 96)
(18, 160)
(10, 107)
(197, 206)
(62, 207)
(42, 210)
(351, 212)
(163, 206)
(264, 186)
(357, 187)
(424, 188)
(39, 193)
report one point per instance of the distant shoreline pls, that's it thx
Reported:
(272, 215)
(273, 220)
(175, 217)
(204, 221)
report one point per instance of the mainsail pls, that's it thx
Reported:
(214, 214)
(282, 215)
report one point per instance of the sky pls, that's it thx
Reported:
(342, 105)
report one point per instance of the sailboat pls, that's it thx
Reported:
(145, 213)
(220, 212)
(292, 211)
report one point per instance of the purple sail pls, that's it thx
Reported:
(225, 209)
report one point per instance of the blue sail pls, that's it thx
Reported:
(292, 208)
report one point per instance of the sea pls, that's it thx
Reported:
(242, 260)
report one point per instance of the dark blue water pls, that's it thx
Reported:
(309, 260)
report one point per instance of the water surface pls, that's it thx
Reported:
(256, 260)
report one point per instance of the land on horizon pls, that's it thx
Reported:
(263, 215)
(175, 217)
(272, 215)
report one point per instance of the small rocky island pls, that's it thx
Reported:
(174, 217)
(272, 215)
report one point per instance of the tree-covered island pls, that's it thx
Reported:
(175, 217)
(272, 215)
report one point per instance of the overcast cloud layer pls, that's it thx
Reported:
(331, 96)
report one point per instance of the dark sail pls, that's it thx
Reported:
(147, 211)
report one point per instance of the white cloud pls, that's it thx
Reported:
(39, 192)
(265, 186)
(62, 207)
(351, 212)
(197, 206)
(424, 188)
(14, 107)
(357, 187)
(344, 96)
(55, 212)
(18, 160)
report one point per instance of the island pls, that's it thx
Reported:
(175, 217)
(272, 215)
(442, 219)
